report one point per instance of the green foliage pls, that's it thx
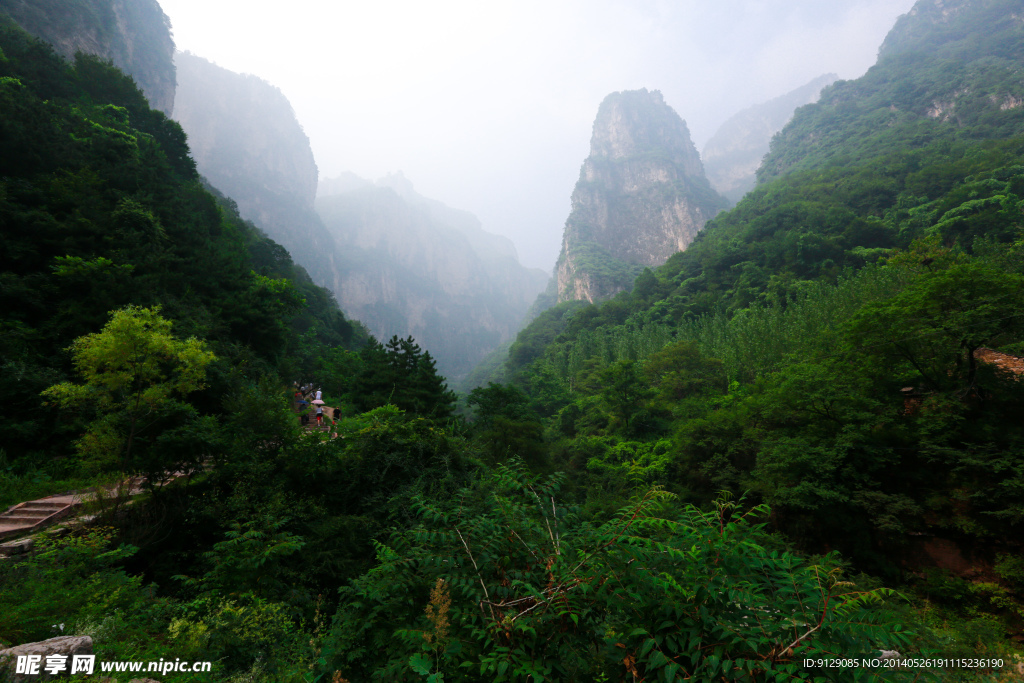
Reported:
(531, 591)
(258, 635)
(247, 562)
(605, 273)
(506, 425)
(92, 587)
(100, 208)
(134, 373)
(401, 374)
(940, 320)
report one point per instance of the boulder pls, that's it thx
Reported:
(62, 645)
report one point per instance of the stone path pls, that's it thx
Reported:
(34, 515)
(328, 421)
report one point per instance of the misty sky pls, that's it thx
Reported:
(488, 105)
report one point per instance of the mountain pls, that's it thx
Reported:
(246, 141)
(397, 261)
(962, 30)
(101, 208)
(641, 197)
(413, 266)
(133, 34)
(824, 346)
(952, 63)
(809, 417)
(732, 155)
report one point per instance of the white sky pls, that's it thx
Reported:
(487, 105)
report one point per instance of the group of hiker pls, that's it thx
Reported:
(304, 395)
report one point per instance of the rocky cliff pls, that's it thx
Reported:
(247, 142)
(641, 197)
(133, 34)
(412, 265)
(732, 155)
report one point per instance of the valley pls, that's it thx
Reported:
(762, 417)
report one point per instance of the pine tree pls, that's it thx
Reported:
(402, 374)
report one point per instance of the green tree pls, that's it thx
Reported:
(505, 425)
(932, 330)
(134, 374)
(402, 374)
(624, 394)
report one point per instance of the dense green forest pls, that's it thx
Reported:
(821, 347)
(745, 462)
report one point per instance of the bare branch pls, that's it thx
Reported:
(524, 543)
(554, 514)
(475, 567)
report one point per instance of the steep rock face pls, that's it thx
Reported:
(732, 155)
(413, 266)
(133, 34)
(641, 197)
(247, 142)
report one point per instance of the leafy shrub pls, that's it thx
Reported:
(511, 585)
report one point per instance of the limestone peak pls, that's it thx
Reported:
(641, 197)
(639, 122)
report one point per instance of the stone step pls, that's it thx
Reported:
(20, 517)
(13, 548)
(42, 505)
(22, 520)
(26, 510)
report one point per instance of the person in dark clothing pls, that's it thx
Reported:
(337, 413)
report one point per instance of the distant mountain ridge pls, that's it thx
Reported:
(414, 266)
(733, 154)
(399, 262)
(247, 142)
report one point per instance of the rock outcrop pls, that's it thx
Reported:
(641, 197)
(64, 646)
(133, 34)
(247, 142)
(414, 266)
(732, 155)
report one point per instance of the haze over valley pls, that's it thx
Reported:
(488, 107)
(511, 164)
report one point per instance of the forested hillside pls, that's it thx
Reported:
(822, 347)
(102, 208)
(133, 34)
